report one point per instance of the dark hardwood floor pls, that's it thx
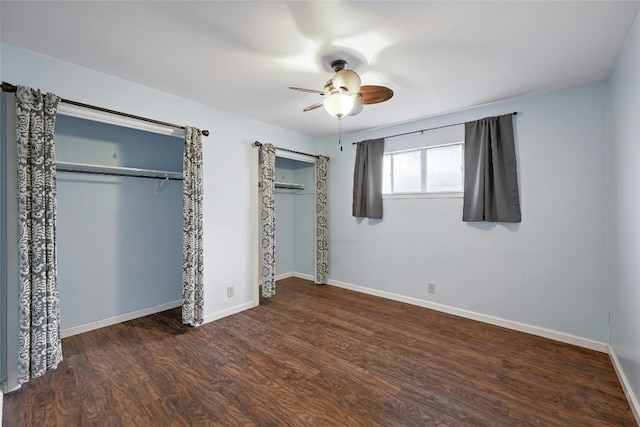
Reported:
(321, 356)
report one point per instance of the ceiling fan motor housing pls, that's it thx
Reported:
(345, 80)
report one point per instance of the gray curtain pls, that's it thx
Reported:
(192, 260)
(367, 179)
(322, 236)
(39, 347)
(268, 220)
(491, 179)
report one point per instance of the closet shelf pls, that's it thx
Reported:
(117, 171)
(289, 186)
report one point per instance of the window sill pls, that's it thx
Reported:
(454, 195)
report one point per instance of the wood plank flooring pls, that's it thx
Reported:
(321, 356)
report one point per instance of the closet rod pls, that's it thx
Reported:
(259, 144)
(8, 87)
(117, 171)
(289, 186)
(423, 130)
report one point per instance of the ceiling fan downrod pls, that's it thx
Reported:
(338, 65)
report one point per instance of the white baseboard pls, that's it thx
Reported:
(294, 274)
(626, 386)
(229, 311)
(64, 333)
(304, 276)
(521, 327)
(284, 276)
(151, 310)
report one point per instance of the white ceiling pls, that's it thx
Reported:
(241, 56)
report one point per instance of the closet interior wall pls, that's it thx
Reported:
(119, 238)
(8, 237)
(3, 246)
(9, 323)
(295, 219)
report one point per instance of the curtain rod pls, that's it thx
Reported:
(259, 144)
(8, 87)
(423, 130)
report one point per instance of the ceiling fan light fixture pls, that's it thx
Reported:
(344, 94)
(339, 104)
(357, 109)
(348, 80)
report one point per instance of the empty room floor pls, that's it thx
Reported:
(321, 356)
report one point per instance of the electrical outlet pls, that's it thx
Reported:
(230, 290)
(431, 288)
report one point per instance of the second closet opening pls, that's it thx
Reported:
(295, 218)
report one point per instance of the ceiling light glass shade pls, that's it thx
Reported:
(357, 109)
(339, 104)
(348, 80)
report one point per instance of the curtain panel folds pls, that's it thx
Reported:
(268, 220)
(322, 235)
(491, 179)
(39, 346)
(367, 179)
(192, 253)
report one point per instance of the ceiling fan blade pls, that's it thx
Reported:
(372, 94)
(321, 92)
(314, 106)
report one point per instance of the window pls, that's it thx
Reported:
(435, 171)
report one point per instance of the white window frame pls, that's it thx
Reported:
(423, 194)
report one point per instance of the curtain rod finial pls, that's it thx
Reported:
(8, 87)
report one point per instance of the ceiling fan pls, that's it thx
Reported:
(344, 95)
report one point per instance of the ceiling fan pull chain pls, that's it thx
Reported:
(340, 136)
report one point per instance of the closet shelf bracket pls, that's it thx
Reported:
(160, 183)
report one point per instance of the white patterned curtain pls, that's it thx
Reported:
(268, 220)
(192, 284)
(322, 237)
(39, 346)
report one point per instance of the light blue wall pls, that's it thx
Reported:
(3, 240)
(85, 141)
(624, 216)
(3, 246)
(305, 215)
(9, 271)
(285, 217)
(119, 243)
(549, 271)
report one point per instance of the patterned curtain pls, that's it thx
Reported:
(192, 284)
(268, 220)
(40, 347)
(322, 253)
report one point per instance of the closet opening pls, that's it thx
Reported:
(292, 217)
(119, 223)
(295, 218)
